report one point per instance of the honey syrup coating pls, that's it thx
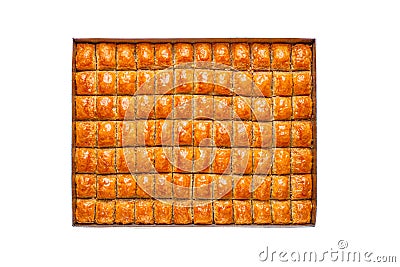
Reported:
(183, 53)
(280, 56)
(182, 185)
(202, 157)
(85, 133)
(301, 186)
(183, 81)
(163, 212)
(126, 57)
(85, 210)
(146, 158)
(163, 106)
(203, 107)
(145, 82)
(223, 212)
(222, 108)
(242, 161)
(163, 159)
(183, 106)
(163, 185)
(105, 54)
(281, 163)
(85, 57)
(261, 56)
(85, 185)
(302, 107)
(183, 132)
(106, 107)
(164, 81)
(124, 212)
(283, 84)
(85, 83)
(183, 159)
(281, 212)
(241, 56)
(282, 131)
(301, 160)
(242, 211)
(144, 211)
(106, 82)
(262, 109)
(126, 107)
(202, 212)
(282, 108)
(221, 54)
(222, 133)
(302, 82)
(242, 187)
(85, 107)
(145, 185)
(262, 161)
(262, 134)
(106, 133)
(301, 57)
(202, 187)
(106, 161)
(301, 211)
(222, 187)
(163, 55)
(261, 187)
(105, 212)
(126, 133)
(242, 108)
(301, 133)
(145, 107)
(262, 84)
(262, 212)
(242, 83)
(85, 160)
(242, 133)
(203, 81)
(126, 82)
(202, 133)
(125, 159)
(146, 132)
(126, 186)
(164, 130)
(145, 55)
(280, 187)
(222, 159)
(106, 186)
(203, 52)
(182, 212)
(223, 83)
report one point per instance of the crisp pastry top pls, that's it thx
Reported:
(163, 55)
(280, 56)
(183, 53)
(203, 52)
(301, 57)
(241, 56)
(105, 53)
(221, 54)
(126, 57)
(85, 57)
(261, 56)
(145, 55)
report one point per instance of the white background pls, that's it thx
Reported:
(358, 57)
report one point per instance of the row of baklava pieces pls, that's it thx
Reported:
(189, 160)
(197, 186)
(104, 134)
(241, 56)
(198, 81)
(188, 107)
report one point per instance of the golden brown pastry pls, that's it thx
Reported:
(280, 56)
(145, 185)
(144, 211)
(260, 56)
(221, 54)
(262, 109)
(301, 57)
(242, 211)
(125, 159)
(242, 108)
(203, 81)
(283, 84)
(106, 107)
(301, 186)
(301, 160)
(145, 55)
(301, 133)
(126, 82)
(262, 134)
(302, 107)
(145, 82)
(85, 82)
(202, 159)
(106, 135)
(222, 159)
(163, 185)
(280, 187)
(222, 186)
(202, 133)
(163, 55)
(202, 52)
(222, 133)
(106, 186)
(126, 133)
(105, 53)
(164, 81)
(223, 83)
(282, 133)
(223, 212)
(106, 161)
(85, 132)
(262, 212)
(182, 185)
(261, 187)
(242, 133)
(105, 212)
(183, 132)
(242, 161)
(106, 82)
(202, 212)
(163, 106)
(164, 129)
(163, 158)
(262, 84)
(85, 57)
(281, 164)
(144, 107)
(262, 161)
(85, 160)
(85, 107)
(146, 158)
(126, 57)
(183, 81)
(124, 212)
(126, 107)
(126, 186)
(222, 108)
(241, 56)
(302, 83)
(202, 187)
(183, 53)
(242, 187)
(282, 108)
(146, 132)
(242, 83)
(281, 212)
(84, 211)
(162, 212)
(183, 159)
(183, 106)
(85, 185)
(182, 212)
(301, 211)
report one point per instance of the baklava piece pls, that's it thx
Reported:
(241, 56)
(106, 107)
(242, 212)
(222, 108)
(183, 159)
(301, 57)
(280, 56)
(203, 81)
(281, 163)
(302, 107)
(125, 160)
(183, 81)
(183, 106)
(146, 158)
(262, 212)
(164, 130)
(222, 159)
(163, 158)
(222, 56)
(145, 185)
(85, 57)
(202, 133)
(107, 133)
(145, 55)
(183, 132)
(262, 161)
(144, 211)
(124, 212)
(203, 107)
(223, 212)
(105, 212)
(145, 82)
(106, 56)
(85, 107)
(282, 108)
(301, 160)
(126, 133)
(280, 187)
(242, 108)
(283, 84)
(282, 133)
(260, 56)
(262, 109)
(163, 185)
(106, 186)
(202, 187)
(281, 212)
(261, 187)
(301, 186)
(301, 211)
(262, 134)
(106, 161)
(182, 212)
(183, 53)
(223, 83)
(85, 160)
(146, 133)
(222, 187)
(144, 107)
(85, 83)
(162, 212)
(163, 106)
(126, 106)
(202, 212)
(163, 55)
(126, 57)
(242, 187)
(301, 134)
(302, 83)
(242, 162)
(242, 83)
(84, 212)
(222, 133)
(126, 186)
(106, 82)
(203, 52)
(85, 185)
(242, 133)
(164, 81)
(182, 185)
(126, 82)
(262, 84)
(202, 159)
(85, 132)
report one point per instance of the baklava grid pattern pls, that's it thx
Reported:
(190, 133)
